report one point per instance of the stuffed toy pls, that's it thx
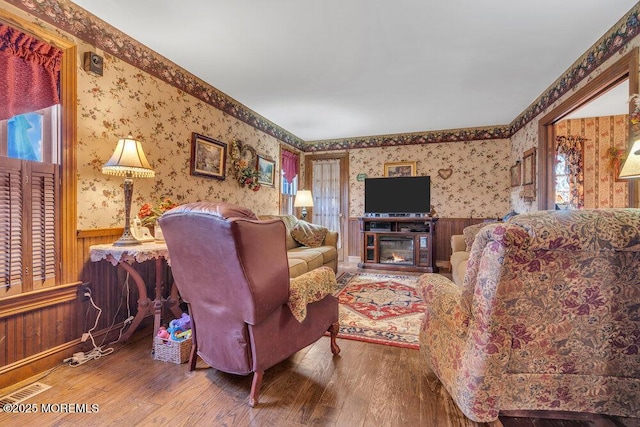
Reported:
(184, 322)
(163, 333)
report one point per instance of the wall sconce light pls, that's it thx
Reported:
(304, 200)
(128, 160)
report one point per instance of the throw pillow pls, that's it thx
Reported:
(308, 234)
(470, 232)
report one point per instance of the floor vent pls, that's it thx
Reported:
(23, 394)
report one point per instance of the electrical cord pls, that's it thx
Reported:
(129, 319)
(97, 352)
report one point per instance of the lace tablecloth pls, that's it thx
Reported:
(138, 253)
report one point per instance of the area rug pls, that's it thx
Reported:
(380, 308)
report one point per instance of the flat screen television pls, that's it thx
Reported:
(397, 196)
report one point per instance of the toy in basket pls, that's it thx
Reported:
(173, 344)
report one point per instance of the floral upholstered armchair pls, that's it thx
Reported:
(548, 317)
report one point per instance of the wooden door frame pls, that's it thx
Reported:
(625, 68)
(344, 190)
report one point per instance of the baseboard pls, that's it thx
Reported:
(28, 367)
(24, 369)
(353, 259)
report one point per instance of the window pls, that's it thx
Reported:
(563, 187)
(288, 192)
(33, 233)
(28, 199)
(288, 181)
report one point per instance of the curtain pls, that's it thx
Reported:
(289, 165)
(571, 148)
(326, 194)
(30, 73)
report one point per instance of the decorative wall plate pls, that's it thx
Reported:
(445, 173)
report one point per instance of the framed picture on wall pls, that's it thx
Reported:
(400, 169)
(529, 175)
(208, 157)
(528, 166)
(515, 174)
(267, 169)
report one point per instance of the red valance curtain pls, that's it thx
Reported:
(571, 148)
(29, 73)
(290, 164)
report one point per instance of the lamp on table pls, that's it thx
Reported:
(631, 167)
(304, 200)
(128, 160)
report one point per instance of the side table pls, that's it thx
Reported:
(124, 256)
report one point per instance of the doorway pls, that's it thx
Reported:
(329, 185)
(625, 69)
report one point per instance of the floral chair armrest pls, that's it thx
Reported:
(444, 301)
(308, 288)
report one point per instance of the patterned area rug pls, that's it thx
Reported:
(380, 308)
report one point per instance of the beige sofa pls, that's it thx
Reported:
(459, 258)
(461, 248)
(303, 258)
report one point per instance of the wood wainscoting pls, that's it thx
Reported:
(445, 228)
(38, 330)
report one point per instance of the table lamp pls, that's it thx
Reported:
(128, 160)
(631, 166)
(304, 200)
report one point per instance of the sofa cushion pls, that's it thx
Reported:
(307, 234)
(297, 267)
(328, 253)
(312, 257)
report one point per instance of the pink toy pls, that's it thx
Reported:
(163, 333)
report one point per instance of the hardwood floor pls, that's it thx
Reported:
(366, 385)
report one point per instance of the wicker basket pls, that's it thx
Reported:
(171, 351)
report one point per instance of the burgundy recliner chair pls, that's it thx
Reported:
(232, 270)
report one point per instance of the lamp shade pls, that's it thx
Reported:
(631, 166)
(303, 199)
(128, 159)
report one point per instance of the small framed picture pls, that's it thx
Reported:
(529, 167)
(267, 171)
(400, 169)
(515, 174)
(208, 157)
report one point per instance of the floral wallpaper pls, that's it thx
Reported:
(468, 179)
(601, 189)
(162, 104)
(127, 100)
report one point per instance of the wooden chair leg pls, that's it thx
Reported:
(333, 330)
(193, 357)
(255, 388)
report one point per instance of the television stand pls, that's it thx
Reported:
(398, 243)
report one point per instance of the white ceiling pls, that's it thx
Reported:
(345, 68)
